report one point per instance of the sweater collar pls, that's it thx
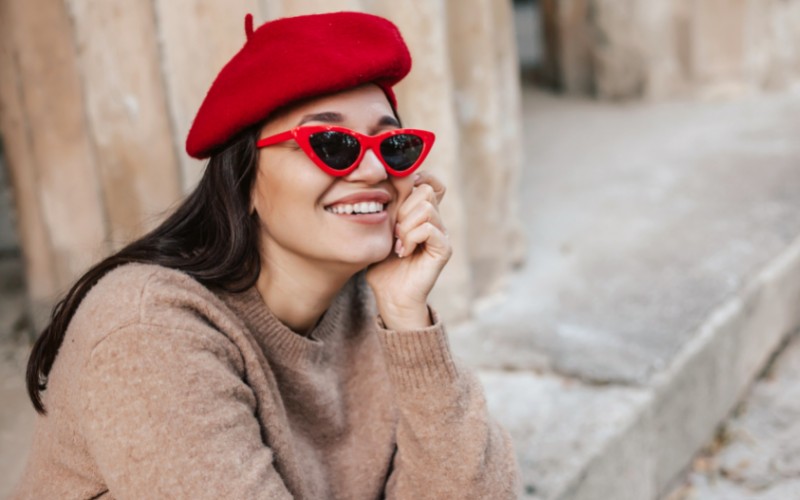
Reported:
(279, 342)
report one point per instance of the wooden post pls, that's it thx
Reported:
(126, 108)
(52, 165)
(286, 8)
(508, 91)
(718, 45)
(487, 103)
(197, 38)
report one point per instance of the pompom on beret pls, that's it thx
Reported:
(294, 58)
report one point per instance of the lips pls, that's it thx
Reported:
(376, 196)
(366, 207)
(381, 197)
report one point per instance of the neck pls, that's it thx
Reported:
(298, 291)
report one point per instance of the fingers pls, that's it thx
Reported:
(435, 240)
(423, 213)
(427, 187)
(420, 209)
(432, 181)
(420, 213)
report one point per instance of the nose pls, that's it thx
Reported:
(369, 170)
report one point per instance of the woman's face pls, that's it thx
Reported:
(293, 196)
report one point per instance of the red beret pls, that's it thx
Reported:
(294, 58)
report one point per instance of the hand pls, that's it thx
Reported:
(401, 283)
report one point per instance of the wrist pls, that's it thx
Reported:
(405, 317)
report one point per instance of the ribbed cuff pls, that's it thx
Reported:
(418, 358)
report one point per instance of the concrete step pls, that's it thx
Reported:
(664, 270)
(756, 453)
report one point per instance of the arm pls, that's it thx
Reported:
(166, 414)
(447, 444)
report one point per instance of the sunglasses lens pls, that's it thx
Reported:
(338, 150)
(401, 151)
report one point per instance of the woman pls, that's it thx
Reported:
(272, 339)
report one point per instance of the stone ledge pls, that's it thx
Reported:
(579, 442)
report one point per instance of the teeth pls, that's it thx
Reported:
(365, 207)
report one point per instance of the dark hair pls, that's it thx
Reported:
(211, 236)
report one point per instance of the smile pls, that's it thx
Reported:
(367, 207)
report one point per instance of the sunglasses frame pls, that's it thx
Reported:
(302, 134)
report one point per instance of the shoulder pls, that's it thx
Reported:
(145, 295)
(144, 321)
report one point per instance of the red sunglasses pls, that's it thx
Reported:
(338, 150)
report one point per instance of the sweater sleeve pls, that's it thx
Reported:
(447, 444)
(166, 414)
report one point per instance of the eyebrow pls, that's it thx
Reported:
(389, 120)
(327, 116)
(333, 117)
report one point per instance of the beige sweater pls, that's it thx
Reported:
(163, 389)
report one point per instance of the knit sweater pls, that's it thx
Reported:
(165, 389)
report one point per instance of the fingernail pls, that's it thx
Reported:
(398, 246)
(417, 177)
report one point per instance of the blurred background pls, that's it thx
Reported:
(623, 198)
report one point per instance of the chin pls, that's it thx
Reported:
(370, 257)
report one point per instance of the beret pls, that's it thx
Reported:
(294, 58)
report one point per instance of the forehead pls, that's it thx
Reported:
(366, 105)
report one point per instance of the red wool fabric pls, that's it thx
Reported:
(290, 59)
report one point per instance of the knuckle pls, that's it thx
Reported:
(402, 214)
(437, 181)
(427, 189)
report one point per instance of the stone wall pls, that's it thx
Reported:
(97, 97)
(662, 48)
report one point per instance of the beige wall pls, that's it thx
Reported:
(662, 48)
(97, 96)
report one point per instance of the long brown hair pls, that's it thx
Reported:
(211, 236)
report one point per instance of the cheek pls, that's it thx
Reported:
(288, 191)
(403, 186)
(258, 195)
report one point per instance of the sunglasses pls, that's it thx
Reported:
(338, 150)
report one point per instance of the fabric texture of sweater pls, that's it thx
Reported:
(165, 389)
